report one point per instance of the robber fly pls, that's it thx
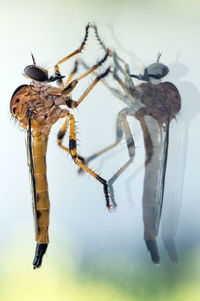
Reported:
(37, 107)
(154, 104)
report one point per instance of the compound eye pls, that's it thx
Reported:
(36, 73)
(157, 70)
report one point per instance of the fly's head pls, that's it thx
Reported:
(39, 74)
(153, 72)
(22, 99)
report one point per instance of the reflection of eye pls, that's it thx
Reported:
(157, 70)
(36, 73)
(17, 100)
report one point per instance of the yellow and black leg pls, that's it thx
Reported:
(72, 103)
(70, 85)
(57, 69)
(73, 151)
(73, 72)
(61, 135)
(97, 79)
(68, 89)
(121, 126)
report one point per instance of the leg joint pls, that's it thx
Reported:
(72, 144)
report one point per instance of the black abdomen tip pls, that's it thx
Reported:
(39, 253)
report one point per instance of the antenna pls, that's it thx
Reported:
(34, 62)
(159, 55)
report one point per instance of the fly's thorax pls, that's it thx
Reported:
(162, 101)
(42, 102)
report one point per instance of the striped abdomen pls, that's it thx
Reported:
(42, 203)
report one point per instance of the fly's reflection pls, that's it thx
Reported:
(154, 104)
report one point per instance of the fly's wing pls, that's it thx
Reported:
(174, 104)
(164, 144)
(32, 174)
(173, 203)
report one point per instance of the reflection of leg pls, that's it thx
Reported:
(129, 184)
(127, 99)
(131, 150)
(121, 125)
(114, 178)
(119, 134)
(102, 43)
(127, 85)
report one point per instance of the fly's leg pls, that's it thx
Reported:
(73, 104)
(72, 150)
(114, 91)
(127, 87)
(128, 84)
(119, 135)
(121, 125)
(69, 87)
(89, 70)
(57, 69)
(102, 43)
(73, 72)
(97, 79)
(92, 69)
(61, 135)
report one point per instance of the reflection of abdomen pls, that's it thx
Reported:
(152, 194)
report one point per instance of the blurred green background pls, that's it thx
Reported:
(95, 255)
